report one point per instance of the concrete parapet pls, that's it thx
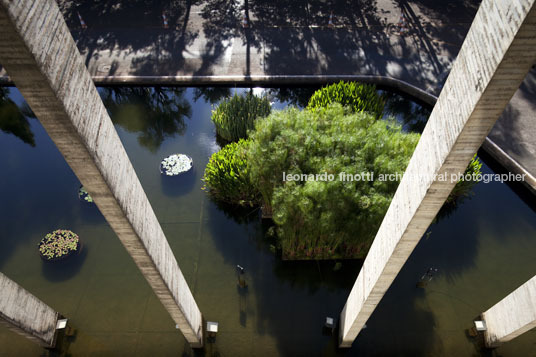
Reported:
(512, 316)
(23, 313)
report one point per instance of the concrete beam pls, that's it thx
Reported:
(23, 313)
(40, 55)
(496, 55)
(512, 316)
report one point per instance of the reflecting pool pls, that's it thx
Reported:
(482, 251)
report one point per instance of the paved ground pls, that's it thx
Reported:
(513, 138)
(126, 42)
(127, 39)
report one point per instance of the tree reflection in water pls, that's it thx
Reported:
(156, 113)
(211, 95)
(14, 120)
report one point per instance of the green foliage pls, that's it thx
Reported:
(227, 175)
(463, 187)
(236, 115)
(357, 96)
(58, 244)
(327, 218)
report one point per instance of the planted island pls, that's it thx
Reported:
(339, 147)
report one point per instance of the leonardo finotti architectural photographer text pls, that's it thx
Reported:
(370, 176)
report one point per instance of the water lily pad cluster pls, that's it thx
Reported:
(175, 164)
(58, 244)
(84, 195)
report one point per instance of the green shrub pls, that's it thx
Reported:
(227, 175)
(357, 96)
(463, 188)
(236, 115)
(327, 218)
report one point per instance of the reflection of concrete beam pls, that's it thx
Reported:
(495, 57)
(512, 316)
(25, 314)
(38, 52)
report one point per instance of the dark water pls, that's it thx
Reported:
(483, 251)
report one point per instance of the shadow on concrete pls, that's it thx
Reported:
(156, 113)
(136, 27)
(511, 131)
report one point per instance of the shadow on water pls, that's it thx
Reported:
(65, 269)
(239, 214)
(156, 113)
(179, 185)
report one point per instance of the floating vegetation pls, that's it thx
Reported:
(84, 195)
(59, 245)
(176, 164)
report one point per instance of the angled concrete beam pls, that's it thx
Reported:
(512, 316)
(39, 54)
(496, 55)
(23, 313)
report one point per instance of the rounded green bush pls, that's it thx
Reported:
(358, 97)
(236, 115)
(227, 175)
(327, 218)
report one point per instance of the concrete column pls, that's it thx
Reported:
(39, 54)
(496, 55)
(512, 316)
(23, 313)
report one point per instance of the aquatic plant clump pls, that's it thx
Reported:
(84, 195)
(326, 219)
(358, 97)
(227, 176)
(59, 244)
(176, 164)
(236, 115)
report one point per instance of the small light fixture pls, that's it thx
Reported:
(212, 328)
(61, 324)
(480, 325)
(330, 322)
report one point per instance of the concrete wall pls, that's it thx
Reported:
(39, 54)
(495, 57)
(512, 316)
(25, 314)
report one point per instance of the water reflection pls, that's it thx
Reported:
(296, 96)
(14, 120)
(410, 114)
(156, 113)
(211, 95)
